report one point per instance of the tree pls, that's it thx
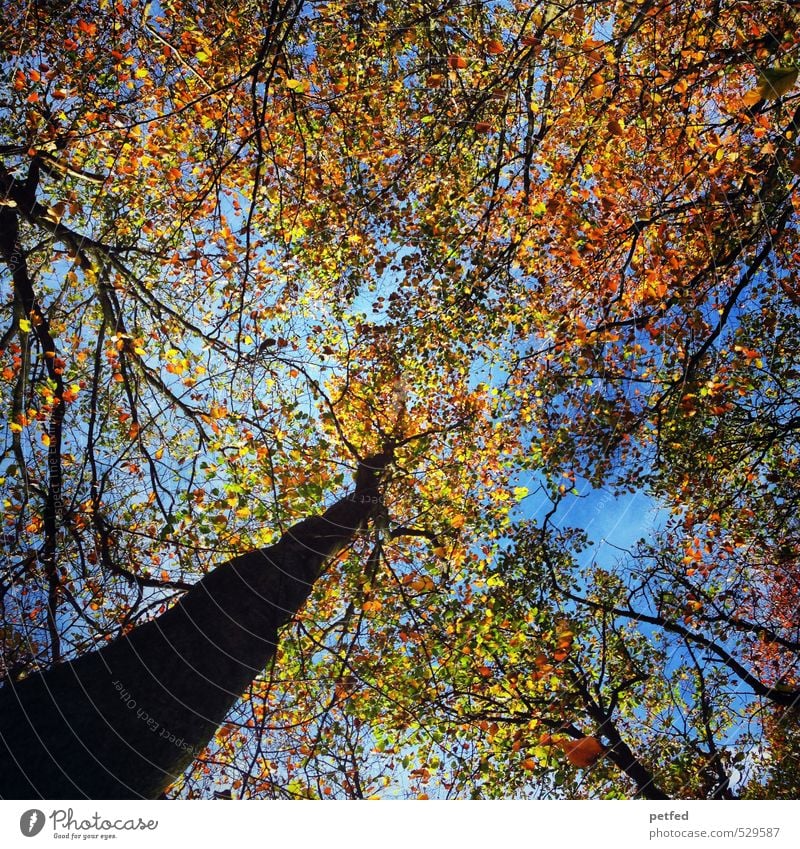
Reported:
(125, 720)
(538, 250)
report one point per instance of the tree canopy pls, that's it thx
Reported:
(544, 252)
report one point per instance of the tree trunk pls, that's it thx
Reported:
(125, 721)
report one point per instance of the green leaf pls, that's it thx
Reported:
(775, 82)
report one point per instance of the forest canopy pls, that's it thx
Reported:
(545, 254)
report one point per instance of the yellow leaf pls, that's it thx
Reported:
(141, 73)
(45, 439)
(24, 325)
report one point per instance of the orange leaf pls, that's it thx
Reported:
(752, 96)
(616, 128)
(548, 739)
(583, 752)
(457, 63)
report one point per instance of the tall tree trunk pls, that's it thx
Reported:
(124, 721)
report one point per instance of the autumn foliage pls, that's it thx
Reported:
(545, 251)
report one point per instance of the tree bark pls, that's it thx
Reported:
(124, 722)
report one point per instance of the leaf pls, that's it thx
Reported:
(520, 492)
(753, 96)
(616, 127)
(775, 82)
(55, 212)
(25, 325)
(584, 752)
(457, 63)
